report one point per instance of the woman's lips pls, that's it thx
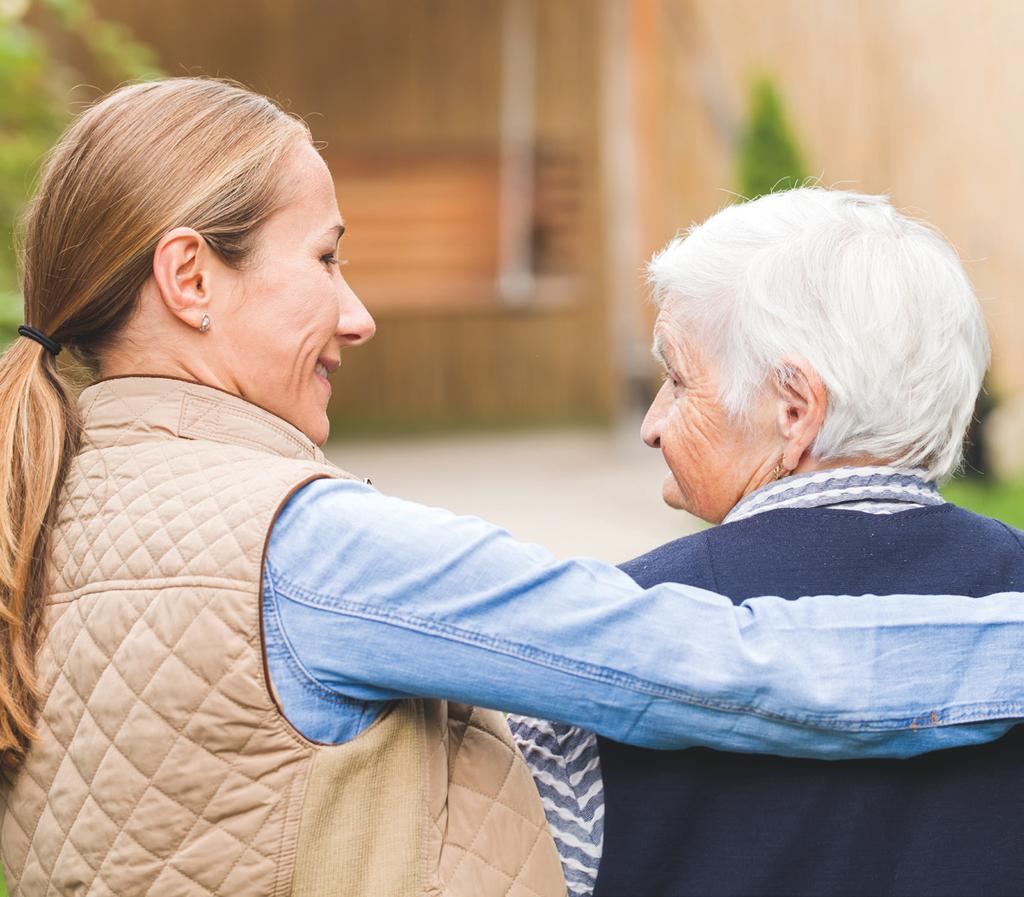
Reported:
(323, 369)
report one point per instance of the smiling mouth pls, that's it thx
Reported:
(326, 366)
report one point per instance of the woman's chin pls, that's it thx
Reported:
(321, 432)
(671, 495)
(314, 424)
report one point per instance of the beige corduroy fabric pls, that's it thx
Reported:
(163, 765)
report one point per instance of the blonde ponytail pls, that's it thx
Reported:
(38, 436)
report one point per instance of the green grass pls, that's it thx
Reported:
(1004, 501)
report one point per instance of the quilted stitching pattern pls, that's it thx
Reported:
(496, 837)
(163, 766)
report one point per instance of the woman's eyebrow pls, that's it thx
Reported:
(338, 230)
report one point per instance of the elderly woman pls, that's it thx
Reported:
(226, 665)
(822, 356)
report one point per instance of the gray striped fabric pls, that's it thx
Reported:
(564, 759)
(838, 488)
(566, 767)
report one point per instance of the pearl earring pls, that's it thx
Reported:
(204, 324)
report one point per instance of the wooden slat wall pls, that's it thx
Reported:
(423, 226)
(912, 97)
(383, 78)
(488, 368)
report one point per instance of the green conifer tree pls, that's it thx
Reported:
(769, 158)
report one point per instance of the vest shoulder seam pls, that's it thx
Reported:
(163, 582)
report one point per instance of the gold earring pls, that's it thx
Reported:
(204, 324)
(779, 471)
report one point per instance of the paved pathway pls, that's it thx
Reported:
(577, 492)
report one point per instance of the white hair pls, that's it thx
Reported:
(876, 302)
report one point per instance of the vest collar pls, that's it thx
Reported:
(136, 409)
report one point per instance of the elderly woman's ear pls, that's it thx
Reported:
(802, 401)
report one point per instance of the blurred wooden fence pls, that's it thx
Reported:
(407, 95)
(638, 103)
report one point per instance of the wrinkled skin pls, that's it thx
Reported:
(713, 460)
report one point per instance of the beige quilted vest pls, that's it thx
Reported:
(163, 766)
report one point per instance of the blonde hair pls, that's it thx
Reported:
(149, 157)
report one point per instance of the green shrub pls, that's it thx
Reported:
(769, 158)
(35, 92)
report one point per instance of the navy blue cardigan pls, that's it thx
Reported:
(703, 822)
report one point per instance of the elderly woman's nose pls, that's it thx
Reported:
(355, 323)
(650, 429)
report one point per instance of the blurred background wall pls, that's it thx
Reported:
(919, 99)
(464, 139)
(506, 166)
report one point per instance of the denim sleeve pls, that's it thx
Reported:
(383, 599)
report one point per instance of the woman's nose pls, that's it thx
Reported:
(355, 324)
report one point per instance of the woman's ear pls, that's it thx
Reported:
(802, 403)
(181, 269)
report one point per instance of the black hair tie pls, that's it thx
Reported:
(50, 345)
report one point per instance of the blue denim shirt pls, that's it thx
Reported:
(370, 599)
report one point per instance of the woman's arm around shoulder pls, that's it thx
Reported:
(383, 599)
